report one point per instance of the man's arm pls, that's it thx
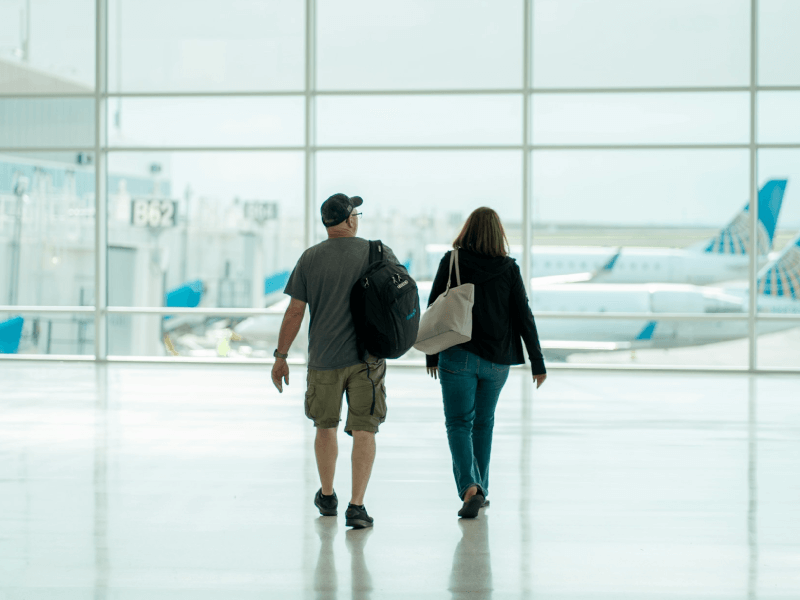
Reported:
(289, 329)
(291, 325)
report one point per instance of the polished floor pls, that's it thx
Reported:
(190, 482)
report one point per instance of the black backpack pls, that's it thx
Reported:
(385, 307)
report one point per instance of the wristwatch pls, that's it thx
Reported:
(277, 354)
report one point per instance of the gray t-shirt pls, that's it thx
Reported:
(323, 278)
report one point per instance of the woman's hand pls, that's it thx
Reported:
(433, 372)
(539, 379)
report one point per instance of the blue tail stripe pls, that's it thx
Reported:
(734, 238)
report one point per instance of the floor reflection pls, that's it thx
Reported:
(360, 578)
(752, 486)
(100, 476)
(326, 582)
(471, 574)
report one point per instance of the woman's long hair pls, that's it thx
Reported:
(483, 233)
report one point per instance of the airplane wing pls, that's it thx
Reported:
(578, 277)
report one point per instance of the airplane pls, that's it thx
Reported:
(722, 258)
(778, 293)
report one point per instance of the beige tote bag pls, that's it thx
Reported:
(448, 321)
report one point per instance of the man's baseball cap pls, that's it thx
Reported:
(337, 208)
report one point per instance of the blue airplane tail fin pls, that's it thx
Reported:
(647, 332)
(781, 277)
(735, 237)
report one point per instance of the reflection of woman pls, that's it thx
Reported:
(471, 574)
(473, 374)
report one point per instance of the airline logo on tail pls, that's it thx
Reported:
(735, 238)
(782, 277)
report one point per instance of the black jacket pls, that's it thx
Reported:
(501, 314)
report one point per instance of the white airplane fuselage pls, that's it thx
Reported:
(640, 265)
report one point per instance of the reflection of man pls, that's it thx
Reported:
(323, 279)
(326, 580)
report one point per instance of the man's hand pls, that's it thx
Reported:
(433, 372)
(280, 370)
(539, 379)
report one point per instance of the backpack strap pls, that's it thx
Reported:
(375, 251)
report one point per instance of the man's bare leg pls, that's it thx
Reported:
(362, 458)
(326, 449)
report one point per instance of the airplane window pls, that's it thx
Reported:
(583, 265)
(558, 265)
(645, 266)
(633, 266)
(571, 265)
(547, 265)
(656, 266)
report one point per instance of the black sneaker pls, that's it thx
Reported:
(327, 505)
(471, 507)
(357, 517)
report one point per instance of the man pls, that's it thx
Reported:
(323, 278)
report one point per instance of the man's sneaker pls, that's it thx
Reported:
(357, 517)
(327, 505)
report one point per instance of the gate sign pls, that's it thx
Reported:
(154, 213)
(260, 212)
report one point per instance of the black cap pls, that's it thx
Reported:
(337, 208)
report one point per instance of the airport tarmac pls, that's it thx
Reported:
(196, 481)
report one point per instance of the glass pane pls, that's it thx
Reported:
(207, 229)
(636, 341)
(645, 232)
(778, 50)
(584, 43)
(207, 121)
(199, 45)
(694, 189)
(779, 279)
(785, 164)
(419, 44)
(47, 47)
(45, 122)
(778, 120)
(419, 213)
(779, 343)
(47, 333)
(47, 229)
(641, 118)
(198, 336)
(396, 120)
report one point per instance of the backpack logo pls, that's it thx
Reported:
(402, 285)
(411, 316)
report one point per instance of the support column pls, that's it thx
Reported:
(100, 179)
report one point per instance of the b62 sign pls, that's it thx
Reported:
(153, 213)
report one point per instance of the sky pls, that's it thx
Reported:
(177, 45)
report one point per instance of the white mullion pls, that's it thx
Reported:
(100, 238)
(753, 267)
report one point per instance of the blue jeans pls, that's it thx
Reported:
(470, 388)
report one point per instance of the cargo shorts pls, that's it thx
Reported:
(364, 387)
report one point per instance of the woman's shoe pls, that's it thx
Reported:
(471, 507)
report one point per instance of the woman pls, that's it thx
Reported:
(472, 374)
